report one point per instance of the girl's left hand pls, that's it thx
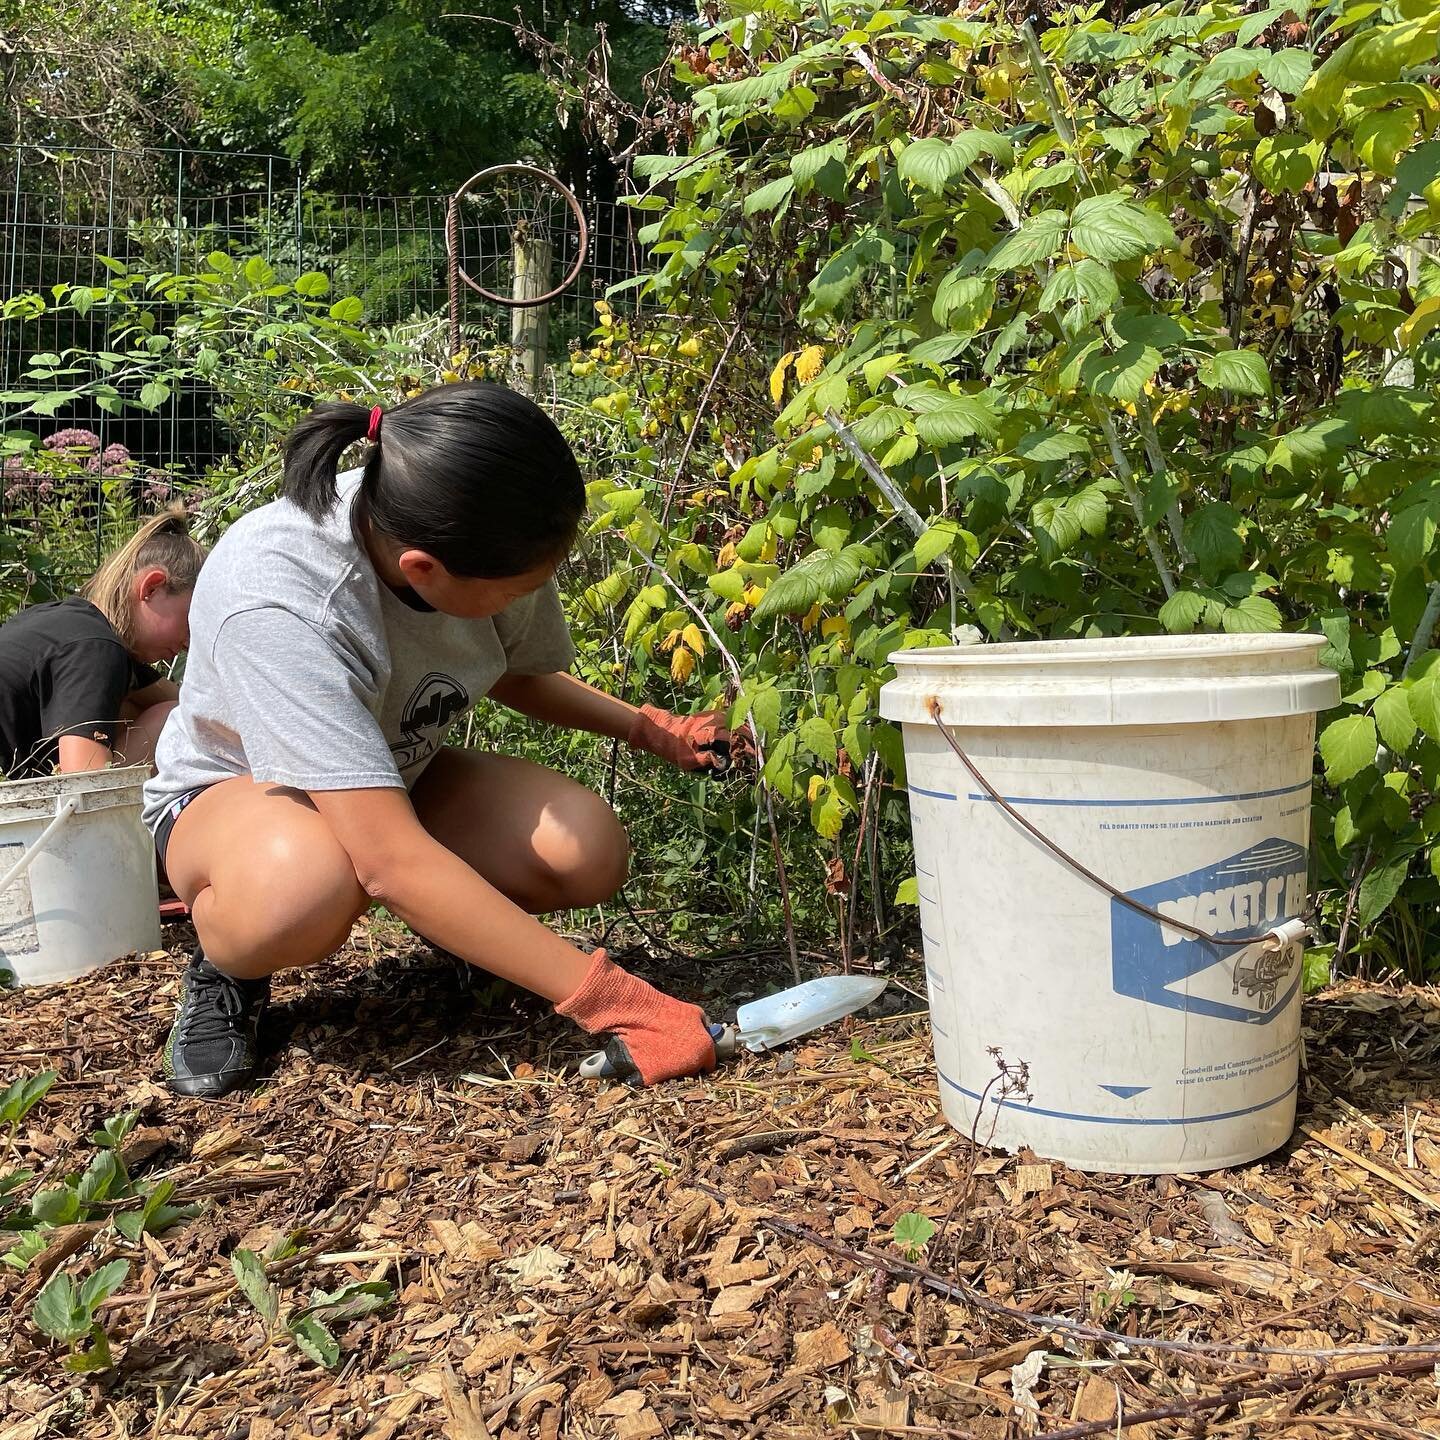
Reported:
(693, 742)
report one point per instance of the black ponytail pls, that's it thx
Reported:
(472, 473)
(313, 450)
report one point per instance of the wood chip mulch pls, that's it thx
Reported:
(713, 1258)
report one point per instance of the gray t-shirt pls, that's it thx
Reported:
(306, 670)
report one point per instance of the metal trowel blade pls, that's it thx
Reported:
(771, 1021)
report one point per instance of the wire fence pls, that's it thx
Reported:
(64, 214)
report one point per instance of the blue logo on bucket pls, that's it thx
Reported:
(1244, 895)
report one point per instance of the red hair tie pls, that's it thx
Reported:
(373, 433)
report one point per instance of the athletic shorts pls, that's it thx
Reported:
(169, 816)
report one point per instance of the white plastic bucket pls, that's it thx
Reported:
(77, 874)
(1179, 771)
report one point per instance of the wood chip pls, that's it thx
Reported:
(821, 1349)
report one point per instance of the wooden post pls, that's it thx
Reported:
(530, 327)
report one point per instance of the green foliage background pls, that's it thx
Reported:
(1138, 315)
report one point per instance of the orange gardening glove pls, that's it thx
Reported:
(665, 1037)
(693, 742)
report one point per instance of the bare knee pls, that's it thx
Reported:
(579, 860)
(294, 903)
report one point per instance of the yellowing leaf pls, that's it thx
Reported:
(754, 594)
(835, 625)
(726, 558)
(811, 618)
(682, 665)
(777, 377)
(817, 784)
(689, 348)
(670, 641)
(808, 363)
(1421, 322)
(693, 638)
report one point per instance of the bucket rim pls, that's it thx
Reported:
(1103, 651)
(108, 777)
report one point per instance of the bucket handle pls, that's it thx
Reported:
(64, 812)
(1277, 938)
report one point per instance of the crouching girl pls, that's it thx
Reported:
(337, 634)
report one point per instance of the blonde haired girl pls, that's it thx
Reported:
(77, 687)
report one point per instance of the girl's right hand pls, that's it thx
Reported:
(666, 1037)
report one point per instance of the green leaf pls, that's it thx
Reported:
(314, 1340)
(1287, 162)
(956, 418)
(913, 1232)
(931, 164)
(843, 271)
(817, 736)
(1410, 540)
(1057, 527)
(908, 892)
(111, 1135)
(1149, 327)
(60, 1206)
(1091, 507)
(767, 197)
(20, 1097)
(1286, 70)
(1044, 447)
(1182, 612)
(1254, 615)
(153, 394)
(57, 1313)
(258, 272)
(1419, 169)
(1379, 888)
(256, 1286)
(831, 527)
(1395, 720)
(939, 536)
(1120, 374)
(963, 302)
(1381, 135)
(822, 574)
(102, 1285)
(100, 1177)
(828, 810)
(349, 311)
(1425, 704)
(1112, 227)
(1088, 288)
(1348, 746)
(1316, 969)
(1242, 372)
(312, 284)
(822, 167)
(97, 1357)
(1213, 532)
(1037, 240)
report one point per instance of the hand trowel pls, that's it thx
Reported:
(762, 1024)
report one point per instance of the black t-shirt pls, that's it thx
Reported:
(63, 671)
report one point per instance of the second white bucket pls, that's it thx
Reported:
(1176, 769)
(77, 874)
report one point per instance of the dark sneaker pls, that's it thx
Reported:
(212, 1046)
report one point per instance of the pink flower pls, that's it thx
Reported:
(72, 439)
